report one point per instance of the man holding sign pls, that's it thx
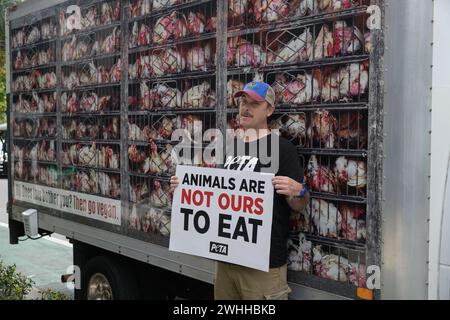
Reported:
(257, 149)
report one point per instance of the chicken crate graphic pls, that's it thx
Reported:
(99, 90)
(319, 70)
(171, 85)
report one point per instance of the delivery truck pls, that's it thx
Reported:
(97, 88)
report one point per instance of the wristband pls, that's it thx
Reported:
(303, 192)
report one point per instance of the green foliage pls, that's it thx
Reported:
(13, 285)
(50, 294)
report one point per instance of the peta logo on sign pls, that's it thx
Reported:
(218, 248)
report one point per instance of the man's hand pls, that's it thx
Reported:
(173, 183)
(291, 189)
(287, 186)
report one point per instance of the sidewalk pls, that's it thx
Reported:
(41, 260)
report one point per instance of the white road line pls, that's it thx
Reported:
(55, 240)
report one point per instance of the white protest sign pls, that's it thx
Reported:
(94, 207)
(224, 215)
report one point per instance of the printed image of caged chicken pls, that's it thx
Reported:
(161, 129)
(343, 84)
(24, 128)
(284, 47)
(151, 160)
(143, 7)
(346, 84)
(140, 7)
(177, 25)
(320, 178)
(326, 219)
(92, 182)
(90, 17)
(269, 11)
(109, 185)
(291, 126)
(99, 156)
(91, 75)
(198, 96)
(140, 35)
(81, 181)
(343, 176)
(260, 11)
(164, 96)
(88, 129)
(275, 10)
(301, 89)
(243, 53)
(80, 129)
(337, 40)
(338, 267)
(39, 151)
(88, 101)
(150, 220)
(233, 86)
(170, 27)
(35, 80)
(36, 173)
(46, 151)
(341, 130)
(79, 48)
(33, 34)
(160, 197)
(301, 44)
(38, 103)
(34, 58)
(299, 254)
(139, 190)
(200, 57)
(351, 175)
(109, 128)
(158, 63)
(157, 221)
(322, 129)
(42, 127)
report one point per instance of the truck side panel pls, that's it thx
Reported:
(406, 169)
(440, 144)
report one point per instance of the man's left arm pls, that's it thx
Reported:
(292, 189)
(290, 177)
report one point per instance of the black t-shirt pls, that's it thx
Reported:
(254, 159)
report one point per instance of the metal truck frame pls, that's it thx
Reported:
(398, 157)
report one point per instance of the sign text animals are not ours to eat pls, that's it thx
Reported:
(223, 215)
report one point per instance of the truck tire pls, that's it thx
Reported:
(106, 278)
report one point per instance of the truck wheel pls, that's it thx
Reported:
(105, 278)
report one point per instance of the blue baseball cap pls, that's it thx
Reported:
(259, 91)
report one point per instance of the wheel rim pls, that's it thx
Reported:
(99, 288)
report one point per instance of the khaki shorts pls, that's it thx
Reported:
(235, 282)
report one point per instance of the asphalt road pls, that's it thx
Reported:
(44, 260)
